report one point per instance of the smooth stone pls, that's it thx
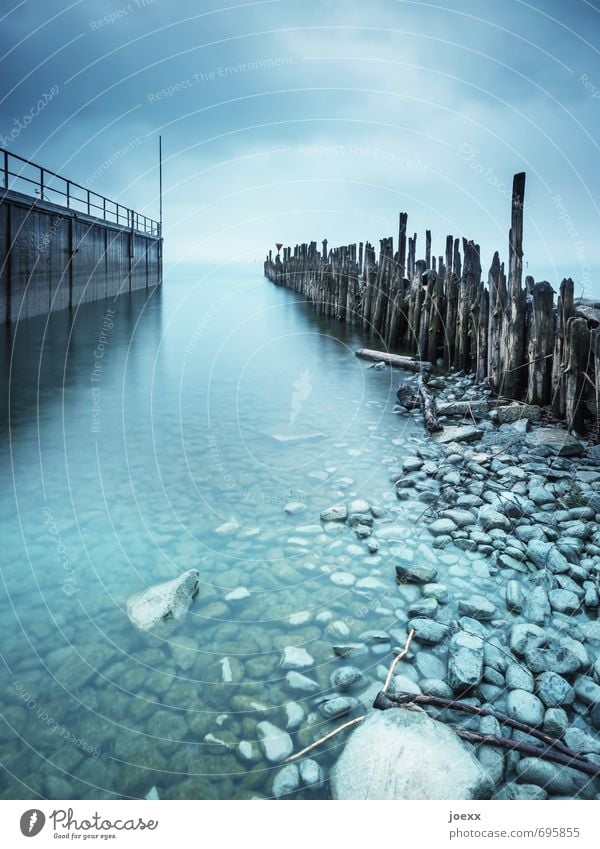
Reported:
(524, 706)
(424, 607)
(295, 507)
(556, 441)
(342, 579)
(553, 778)
(461, 518)
(416, 574)
(514, 596)
(546, 555)
(237, 594)
(564, 601)
(401, 754)
(526, 636)
(350, 649)
(442, 526)
(335, 513)
(300, 683)
(437, 591)
(491, 519)
(295, 715)
(587, 691)
(519, 678)
(276, 744)
(344, 677)
(163, 602)
(582, 742)
(436, 687)
(556, 722)
(286, 781)
(338, 706)
(537, 606)
(553, 690)
(428, 631)
(311, 773)
(525, 793)
(465, 661)
(403, 684)
(458, 434)
(477, 607)
(553, 659)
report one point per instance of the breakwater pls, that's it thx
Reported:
(526, 343)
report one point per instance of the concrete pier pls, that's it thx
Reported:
(54, 257)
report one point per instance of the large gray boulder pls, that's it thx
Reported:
(404, 754)
(164, 602)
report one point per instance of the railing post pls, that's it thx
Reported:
(41, 184)
(6, 169)
(104, 207)
(88, 201)
(68, 194)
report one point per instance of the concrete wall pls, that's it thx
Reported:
(52, 258)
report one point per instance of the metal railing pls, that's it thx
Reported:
(33, 180)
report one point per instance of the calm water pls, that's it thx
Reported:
(132, 436)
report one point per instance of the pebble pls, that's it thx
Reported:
(519, 678)
(465, 661)
(276, 744)
(417, 573)
(581, 741)
(556, 722)
(342, 579)
(344, 677)
(525, 707)
(477, 607)
(300, 683)
(295, 657)
(554, 690)
(237, 594)
(428, 631)
(553, 778)
(564, 601)
(336, 513)
(442, 526)
(286, 781)
(338, 706)
(587, 691)
(295, 507)
(295, 715)
(311, 773)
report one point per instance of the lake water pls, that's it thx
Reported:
(135, 430)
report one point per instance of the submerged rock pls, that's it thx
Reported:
(286, 781)
(401, 754)
(276, 744)
(164, 602)
(465, 661)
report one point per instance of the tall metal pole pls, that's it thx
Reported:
(160, 182)
(160, 213)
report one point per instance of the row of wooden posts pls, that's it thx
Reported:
(514, 335)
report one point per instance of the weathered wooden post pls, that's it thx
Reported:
(540, 344)
(513, 341)
(565, 310)
(578, 344)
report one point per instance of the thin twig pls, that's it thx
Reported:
(325, 738)
(398, 657)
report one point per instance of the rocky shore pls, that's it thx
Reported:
(518, 629)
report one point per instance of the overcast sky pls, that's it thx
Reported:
(288, 121)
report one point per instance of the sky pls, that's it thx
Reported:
(287, 122)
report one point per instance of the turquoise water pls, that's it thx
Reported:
(130, 438)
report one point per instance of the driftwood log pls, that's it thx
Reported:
(427, 402)
(396, 360)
